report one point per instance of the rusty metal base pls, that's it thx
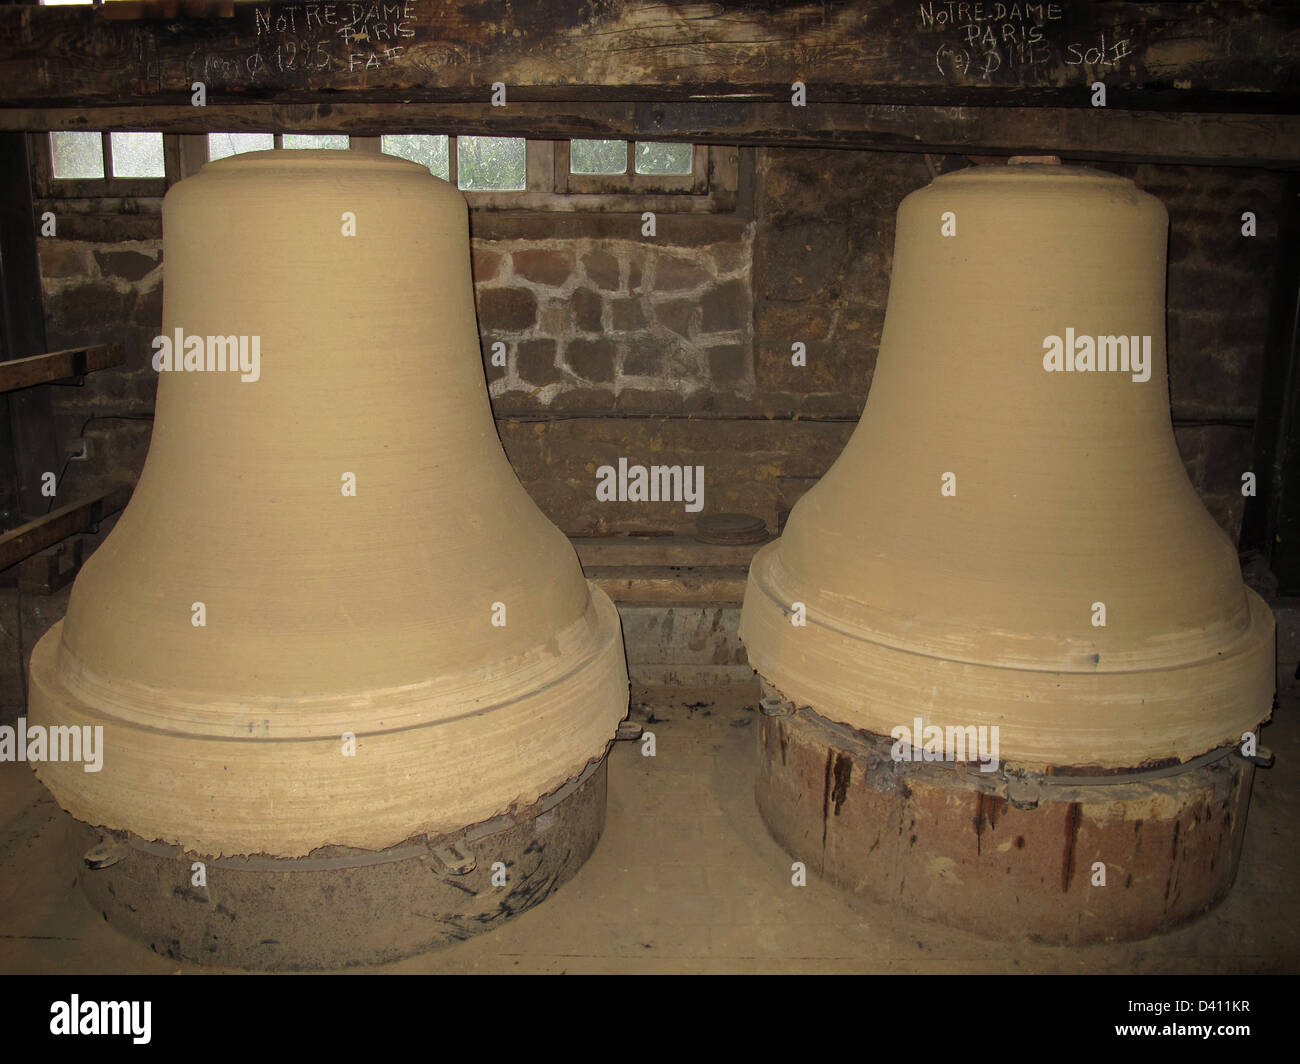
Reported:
(1006, 858)
(341, 907)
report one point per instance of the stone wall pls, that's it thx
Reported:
(94, 293)
(1218, 293)
(632, 325)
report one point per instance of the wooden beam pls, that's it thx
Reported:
(51, 569)
(663, 586)
(58, 365)
(1112, 134)
(45, 531)
(1211, 55)
(169, 9)
(598, 553)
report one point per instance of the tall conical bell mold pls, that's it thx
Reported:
(339, 656)
(1011, 667)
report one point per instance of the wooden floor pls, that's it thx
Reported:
(686, 879)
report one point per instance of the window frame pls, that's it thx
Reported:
(629, 182)
(710, 188)
(46, 186)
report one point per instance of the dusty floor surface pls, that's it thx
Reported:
(686, 879)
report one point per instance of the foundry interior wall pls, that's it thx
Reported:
(676, 350)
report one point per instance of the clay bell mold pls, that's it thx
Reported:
(429, 609)
(950, 564)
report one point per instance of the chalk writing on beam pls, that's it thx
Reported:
(1101, 54)
(1020, 40)
(307, 39)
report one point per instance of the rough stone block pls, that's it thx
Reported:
(627, 315)
(602, 270)
(676, 274)
(646, 357)
(128, 265)
(729, 364)
(63, 258)
(535, 362)
(485, 264)
(677, 315)
(730, 258)
(593, 360)
(801, 262)
(506, 309)
(726, 308)
(586, 307)
(544, 266)
(94, 312)
(790, 322)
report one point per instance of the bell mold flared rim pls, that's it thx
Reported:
(325, 714)
(1037, 651)
(287, 795)
(1046, 717)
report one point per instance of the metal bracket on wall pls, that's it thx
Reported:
(52, 569)
(66, 367)
(51, 528)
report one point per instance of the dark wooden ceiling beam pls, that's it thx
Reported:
(1121, 136)
(1212, 55)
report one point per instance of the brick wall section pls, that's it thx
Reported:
(98, 293)
(822, 260)
(615, 325)
(1219, 283)
(1218, 293)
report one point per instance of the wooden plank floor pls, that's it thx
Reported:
(686, 879)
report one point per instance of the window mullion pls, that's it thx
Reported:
(106, 151)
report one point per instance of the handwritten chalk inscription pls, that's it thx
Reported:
(340, 36)
(306, 39)
(1022, 40)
